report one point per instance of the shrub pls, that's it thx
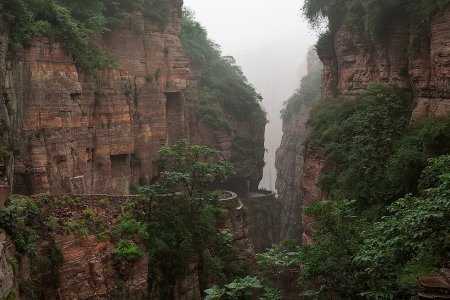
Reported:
(126, 251)
(359, 138)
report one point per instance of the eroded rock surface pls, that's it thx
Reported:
(97, 132)
(354, 65)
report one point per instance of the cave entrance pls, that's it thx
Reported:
(174, 118)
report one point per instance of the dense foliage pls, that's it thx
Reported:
(175, 220)
(360, 139)
(74, 23)
(373, 154)
(223, 88)
(354, 257)
(394, 226)
(371, 16)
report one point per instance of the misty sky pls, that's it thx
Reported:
(269, 39)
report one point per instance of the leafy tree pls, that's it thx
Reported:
(177, 214)
(413, 239)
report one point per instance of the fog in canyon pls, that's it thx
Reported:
(269, 39)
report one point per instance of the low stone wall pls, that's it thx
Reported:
(229, 199)
(263, 210)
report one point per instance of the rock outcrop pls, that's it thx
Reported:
(437, 287)
(263, 218)
(84, 132)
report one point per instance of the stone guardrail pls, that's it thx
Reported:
(229, 199)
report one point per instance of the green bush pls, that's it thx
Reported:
(360, 141)
(128, 228)
(17, 218)
(126, 251)
(412, 239)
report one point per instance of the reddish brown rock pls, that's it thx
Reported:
(358, 63)
(314, 162)
(98, 132)
(354, 65)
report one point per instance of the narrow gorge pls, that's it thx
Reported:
(132, 153)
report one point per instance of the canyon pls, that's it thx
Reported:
(78, 142)
(91, 135)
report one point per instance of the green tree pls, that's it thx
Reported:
(179, 213)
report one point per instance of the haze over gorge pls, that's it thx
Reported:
(155, 149)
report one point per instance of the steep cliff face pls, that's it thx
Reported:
(356, 64)
(350, 67)
(96, 132)
(290, 159)
(7, 277)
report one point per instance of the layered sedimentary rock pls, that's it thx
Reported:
(352, 66)
(357, 63)
(96, 132)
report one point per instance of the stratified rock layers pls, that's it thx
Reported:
(97, 132)
(353, 67)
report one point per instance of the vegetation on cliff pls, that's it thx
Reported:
(223, 89)
(225, 95)
(371, 17)
(176, 220)
(173, 222)
(388, 187)
(75, 23)
(357, 257)
(307, 94)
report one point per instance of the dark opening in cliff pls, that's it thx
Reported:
(174, 118)
(22, 184)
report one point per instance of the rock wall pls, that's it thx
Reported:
(354, 65)
(290, 160)
(97, 132)
(263, 215)
(357, 64)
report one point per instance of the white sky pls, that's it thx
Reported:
(269, 39)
